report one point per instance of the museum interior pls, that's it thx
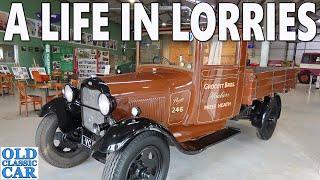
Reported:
(186, 92)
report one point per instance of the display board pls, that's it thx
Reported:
(62, 58)
(87, 62)
(41, 70)
(103, 60)
(20, 73)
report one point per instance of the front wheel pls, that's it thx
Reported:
(59, 149)
(146, 157)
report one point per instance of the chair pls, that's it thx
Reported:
(74, 82)
(6, 83)
(57, 75)
(58, 87)
(39, 78)
(25, 99)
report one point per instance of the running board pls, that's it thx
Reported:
(197, 146)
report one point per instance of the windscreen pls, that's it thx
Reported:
(166, 52)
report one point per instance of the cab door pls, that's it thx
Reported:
(219, 81)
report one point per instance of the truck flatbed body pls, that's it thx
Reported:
(265, 81)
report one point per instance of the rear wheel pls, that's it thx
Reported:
(304, 78)
(269, 118)
(57, 148)
(146, 157)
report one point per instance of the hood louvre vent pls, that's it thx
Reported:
(151, 108)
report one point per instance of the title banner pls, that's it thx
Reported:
(223, 18)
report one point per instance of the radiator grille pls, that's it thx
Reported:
(90, 116)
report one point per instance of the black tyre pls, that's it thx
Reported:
(59, 149)
(304, 78)
(269, 120)
(278, 106)
(146, 157)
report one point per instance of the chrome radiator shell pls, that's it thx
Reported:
(90, 108)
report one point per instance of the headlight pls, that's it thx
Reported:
(68, 93)
(104, 104)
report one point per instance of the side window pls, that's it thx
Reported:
(217, 52)
(305, 59)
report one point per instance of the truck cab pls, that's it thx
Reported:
(182, 94)
(309, 67)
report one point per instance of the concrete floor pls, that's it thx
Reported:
(292, 153)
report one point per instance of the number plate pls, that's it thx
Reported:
(87, 141)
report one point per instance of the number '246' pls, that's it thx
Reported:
(176, 110)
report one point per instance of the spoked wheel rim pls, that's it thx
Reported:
(304, 78)
(146, 165)
(66, 143)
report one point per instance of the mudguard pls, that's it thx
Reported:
(69, 115)
(121, 134)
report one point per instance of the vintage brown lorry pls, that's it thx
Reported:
(182, 94)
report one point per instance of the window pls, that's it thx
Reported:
(7, 53)
(166, 52)
(217, 52)
(305, 59)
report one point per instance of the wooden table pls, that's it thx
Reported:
(46, 87)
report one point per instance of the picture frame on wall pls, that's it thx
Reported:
(108, 44)
(55, 49)
(84, 38)
(56, 65)
(32, 27)
(89, 39)
(3, 21)
(104, 44)
(68, 57)
(93, 52)
(39, 29)
(4, 69)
